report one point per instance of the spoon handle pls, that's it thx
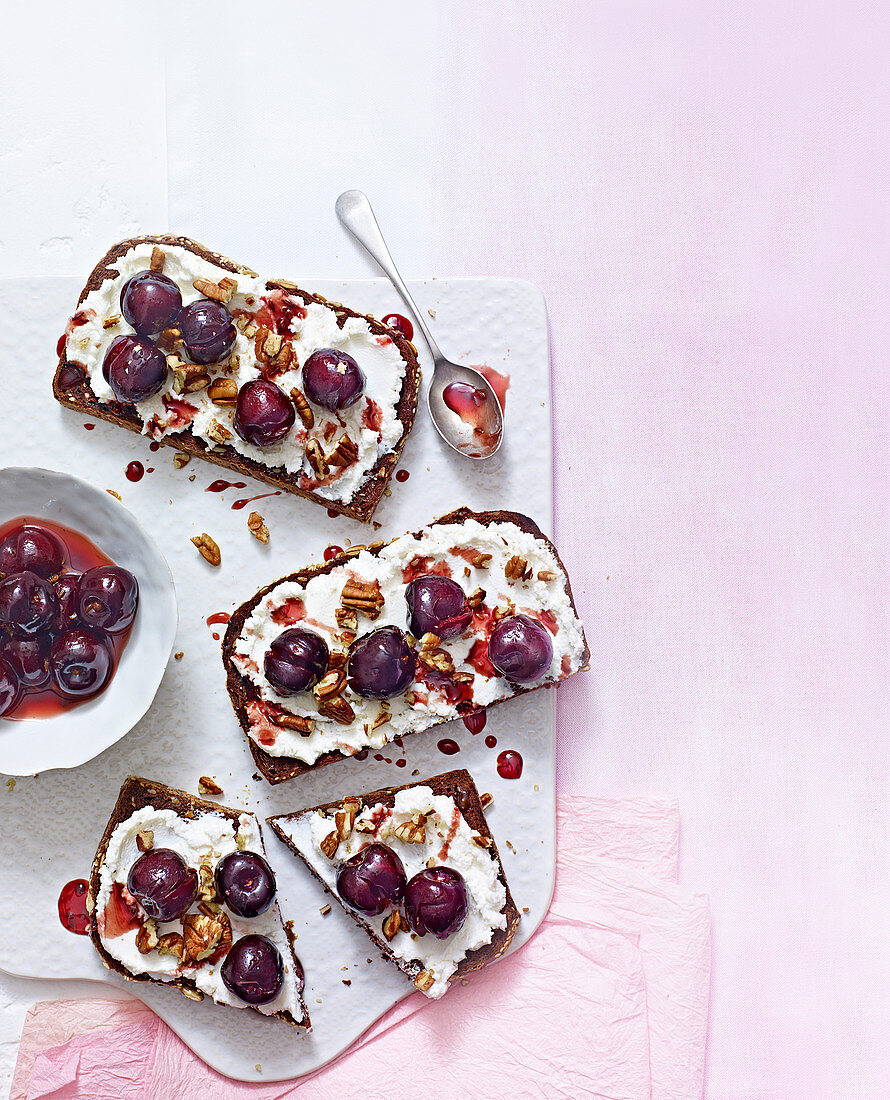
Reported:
(355, 213)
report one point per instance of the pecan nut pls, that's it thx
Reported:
(345, 453)
(304, 409)
(257, 527)
(364, 596)
(207, 548)
(316, 459)
(223, 391)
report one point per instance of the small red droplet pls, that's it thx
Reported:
(402, 475)
(448, 747)
(73, 907)
(135, 471)
(509, 764)
(491, 741)
(332, 552)
(475, 722)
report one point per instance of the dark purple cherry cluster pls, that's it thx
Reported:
(134, 366)
(166, 888)
(56, 625)
(374, 880)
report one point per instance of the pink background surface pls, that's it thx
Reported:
(701, 190)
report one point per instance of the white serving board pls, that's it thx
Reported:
(52, 822)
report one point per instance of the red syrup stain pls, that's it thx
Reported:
(237, 505)
(362, 754)
(402, 475)
(215, 636)
(220, 486)
(448, 747)
(154, 445)
(490, 741)
(380, 756)
(218, 618)
(88, 427)
(452, 832)
(401, 763)
(135, 471)
(119, 916)
(471, 404)
(73, 907)
(291, 611)
(500, 383)
(333, 513)
(423, 565)
(475, 722)
(372, 416)
(60, 343)
(150, 470)
(332, 552)
(509, 764)
(397, 321)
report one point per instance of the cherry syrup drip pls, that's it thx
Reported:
(448, 747)
(397, 321)
(135, 471)
(220, 617)
(154, 445)
(60, 343)
(220, 486)
(73, 907)
(475, 722)
(500, 383)
(237, 505)
(333, 513)
(402, 475)
(509, 764)
(332, 552)
(70, 376)
(490, 741)
(401, 762)
(472, 405)
(88, 427)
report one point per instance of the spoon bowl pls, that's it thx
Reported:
(463, 406)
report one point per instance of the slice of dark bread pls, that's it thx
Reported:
(457, 785)
(135, 794)
(242, 691)
(72, 389)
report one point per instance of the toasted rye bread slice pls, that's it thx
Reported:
(278, 769)
(457, 785)
(135, 794)
(73, 391)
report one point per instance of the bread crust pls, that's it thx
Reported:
(82, 399)
(134, 795)
(278, 769)
(458, 785)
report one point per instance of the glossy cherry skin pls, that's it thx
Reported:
(150, 302)
(135, 368)
(66, 593)
(246, 883)
(372, 880)
(80, 663)
(107, 597)
(28, 658)
(381, 664)
(253, 970)
(437, 605)
(264, 414)
(296, 660)
(10, 689)
(32, 548)
(163, 883)
(332, 379)
(436, 902)
(207, 330)
(520, 649)
(28, 603)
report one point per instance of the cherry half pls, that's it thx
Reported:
(436, 902)
(297, 659)
(253, 970)
(264, 414)
(520, 649)
(163, 883)
(135, 368)
(372, 880)
(150, 302)
(246, 882)
(437, 605)
(333, 379)
(381, 664)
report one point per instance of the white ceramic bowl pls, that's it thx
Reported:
(71, 738)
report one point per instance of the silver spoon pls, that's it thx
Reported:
(462, 404)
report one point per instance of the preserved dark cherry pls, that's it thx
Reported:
(437, 605)
(28, 658)
(246, 882)
(163, 883)
(207, 330)
(520, 649)
(150, 302)
(372, 880)
(381, 664)
(32, 548)
(436, 901)
(9, 688)
(107, 597)
(134, 367)
(332, 379)
(28, 603)
(296, 660)
(253, 970)
(80, 663)
(66, 593)
(264, 414)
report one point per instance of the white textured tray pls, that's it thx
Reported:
(52, 822)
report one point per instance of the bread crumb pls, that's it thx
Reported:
(112, 492)
(325, 909)
(10, 786)
(178, 656)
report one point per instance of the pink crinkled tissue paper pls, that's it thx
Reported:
(608, 999)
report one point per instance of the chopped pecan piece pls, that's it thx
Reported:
(337, 659)
(364, 596)
(392, 924)
(425, 980)
(147, 936)
(429, 640)
(169, 339)
(295, 722)
(481, 841)
(181, 459)
(206, 785)
(382, 718)
(304, 409)
(192, 994)
(330, 844)
(515, 568)
(272, 344)
(206, 881)
(207, 548)
(546, 575)
(223, 391)
(410, 832)
(438, 659)
(171, 943)
(330, 685)
(145, 839)
(343, 822)
(316, 458)
(219, 292)
(475, 598)
(346, 618)
(257, 527)
(480, 561)
(338, 709)
(157, 259)
(110, 322)
(345, 453)
(218, 433)
(203, 934)
(486, 800)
